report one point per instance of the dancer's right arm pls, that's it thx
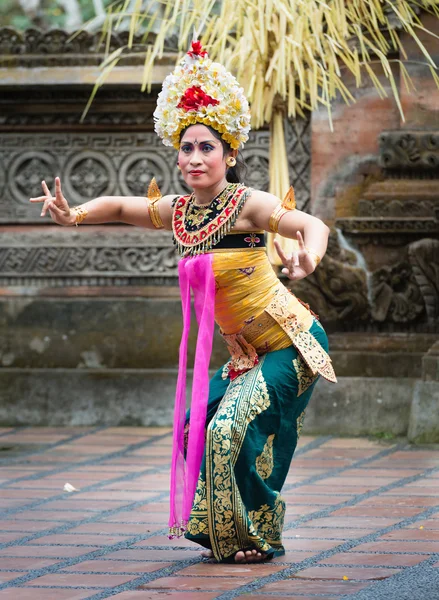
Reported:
(132, 210)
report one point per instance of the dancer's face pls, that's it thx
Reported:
(201, 157)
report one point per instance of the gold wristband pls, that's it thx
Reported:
(80, 214)
(275, 218)
(314, 255)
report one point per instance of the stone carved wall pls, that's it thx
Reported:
(381, 271)
(99, 164)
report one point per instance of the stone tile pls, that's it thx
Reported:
(412, 534)
(28, 593)
(10, 537)
(111, 528)
(309, 586)
(163, 540)
(294, 556)
(12, 503)
(60, 515)
(90, 580)
(9, 576)
(399, 546)
(226, 570)
(60, 551)
(399, 513)
(117, 566)
(309, 545)
(351, 522)
(83, 539)
(136, 517)
(26, 494)
(288, 596)
(429, 524)
(317, 498)
(397, 501)
(196, 583)
(143, 554)
(158, 595)
(382, 560)
(27, 526)
(326, 533)
(80, 504)
(26, 562)
(352, 573)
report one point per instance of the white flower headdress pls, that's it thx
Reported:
(201, 91)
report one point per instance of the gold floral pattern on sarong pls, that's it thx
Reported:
(300, 422)
(246, 397)
(305, 377)
(269, 521)
(198, 520)
(265, 462)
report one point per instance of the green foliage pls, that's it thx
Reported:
(49, 14)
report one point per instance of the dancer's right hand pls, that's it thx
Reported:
(57, 205)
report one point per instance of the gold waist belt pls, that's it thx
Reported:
(244, 355)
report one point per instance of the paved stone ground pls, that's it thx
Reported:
(362, 522)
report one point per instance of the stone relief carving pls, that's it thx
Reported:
(396, 295)
(337, 290)
(410, 150)
(57, 47)
(424, 259)
(76, 260)
(394, 225)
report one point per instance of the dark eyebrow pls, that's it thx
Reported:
(203, 142)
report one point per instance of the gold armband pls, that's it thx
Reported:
(80, 214)
(154, 196)
(275, 218)
(288, 203)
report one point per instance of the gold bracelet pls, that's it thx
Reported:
(275, 218)
(80, 214)
(314, 255)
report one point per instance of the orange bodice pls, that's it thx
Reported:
(245, 285)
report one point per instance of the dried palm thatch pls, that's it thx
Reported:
(289, 50)
(289, 55)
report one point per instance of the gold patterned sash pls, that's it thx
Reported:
(279, 310)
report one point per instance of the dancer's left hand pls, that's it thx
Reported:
(299, 264)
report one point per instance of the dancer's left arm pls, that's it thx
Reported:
(310, 232)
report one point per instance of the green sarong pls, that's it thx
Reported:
(252, 427)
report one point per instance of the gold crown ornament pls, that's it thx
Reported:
(201, 91)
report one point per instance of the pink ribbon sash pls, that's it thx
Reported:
(194, 273)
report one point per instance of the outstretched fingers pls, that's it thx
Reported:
(58, 192)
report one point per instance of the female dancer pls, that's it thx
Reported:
(232, 452)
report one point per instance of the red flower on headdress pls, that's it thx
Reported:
(194, 97)
(197, 50)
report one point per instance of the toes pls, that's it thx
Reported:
(240, 556)
(207, 553)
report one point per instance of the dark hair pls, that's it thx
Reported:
(234, 174)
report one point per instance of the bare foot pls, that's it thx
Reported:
(207, 553)
(249, 556)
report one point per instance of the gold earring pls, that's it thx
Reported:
(178, 167)
(231, 161)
